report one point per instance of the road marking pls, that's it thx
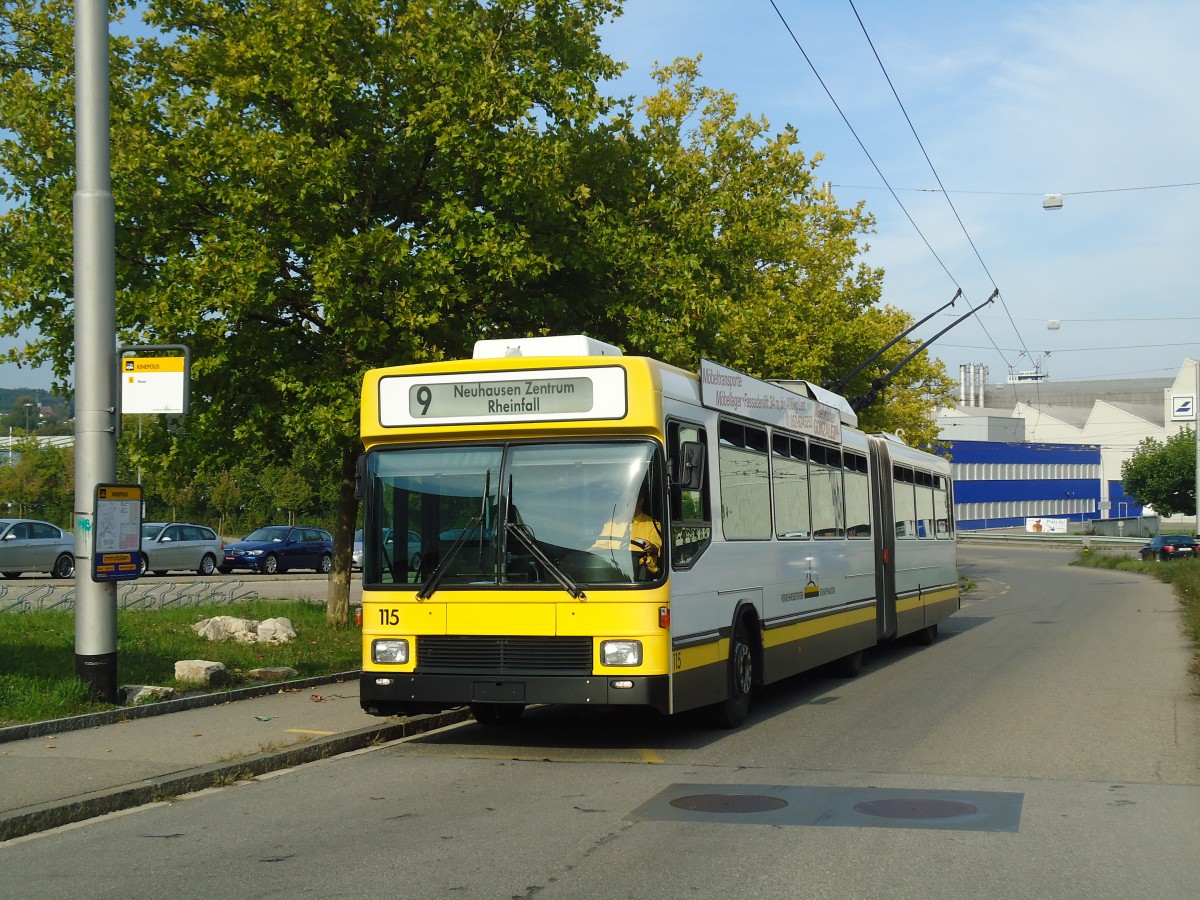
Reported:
(997, 592)
(308, 731)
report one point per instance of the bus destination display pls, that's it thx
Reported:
(546, 396)
(597, 393)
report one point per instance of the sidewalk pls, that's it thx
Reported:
(54, 777)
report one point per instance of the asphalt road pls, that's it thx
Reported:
(1047, 746)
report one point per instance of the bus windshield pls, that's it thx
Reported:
(548, 514)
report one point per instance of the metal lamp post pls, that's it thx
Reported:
(95, 346)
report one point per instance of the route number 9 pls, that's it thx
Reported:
(424, 397)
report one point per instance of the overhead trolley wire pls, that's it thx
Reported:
(861, 145)
(871, 159)
(937, 177)
(940, 190)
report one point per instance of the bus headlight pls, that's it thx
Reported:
(621, 653)
(389, 650)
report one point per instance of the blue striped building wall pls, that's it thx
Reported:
(1000, 484)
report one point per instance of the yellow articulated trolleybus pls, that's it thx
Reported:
(551, 522)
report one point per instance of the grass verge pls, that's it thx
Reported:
(1181, 574)
(37, 653)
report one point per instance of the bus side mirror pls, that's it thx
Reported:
(360, 475)
(689, 467)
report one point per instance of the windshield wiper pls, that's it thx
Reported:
(512, 528)
(432, 582)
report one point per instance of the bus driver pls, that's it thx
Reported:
(642, 536)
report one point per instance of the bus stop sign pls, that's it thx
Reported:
(117, 536)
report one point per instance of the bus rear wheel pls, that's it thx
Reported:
(497, 713)
(925, 636)
(849, 665)
(731, 712)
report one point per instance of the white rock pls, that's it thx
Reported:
(276, 631)
(203, 672)
(220, 628)
(134, 694)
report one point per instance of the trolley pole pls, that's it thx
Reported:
(95, 345)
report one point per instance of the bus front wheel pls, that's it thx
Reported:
(731, 712)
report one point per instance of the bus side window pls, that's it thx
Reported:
(691, 520)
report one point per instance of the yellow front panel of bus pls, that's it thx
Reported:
(500, 618)
(518, 613)
(603, 615)
(386, 618)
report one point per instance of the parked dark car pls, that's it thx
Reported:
(1169, 546)
(179, 545)
(280, 548)
(29, 545)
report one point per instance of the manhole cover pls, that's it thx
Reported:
(728, 803)
(915, 809)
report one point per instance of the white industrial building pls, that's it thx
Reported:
(1113, 415)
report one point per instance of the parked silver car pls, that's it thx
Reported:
(414, 549)
(28, 545)
(179, 545)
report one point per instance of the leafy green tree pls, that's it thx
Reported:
(175, 488)
(1163, 475)
(39, 481)
(288, 490)
(720, 243)
(21, 480)
(56, 475)
(305, 190)
(226, 493)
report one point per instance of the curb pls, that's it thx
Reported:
(161, 707)
(87, 806)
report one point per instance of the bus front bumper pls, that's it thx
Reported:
(384, 694)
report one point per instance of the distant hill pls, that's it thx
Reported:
(49, 412)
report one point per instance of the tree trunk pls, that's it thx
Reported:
(337, 607)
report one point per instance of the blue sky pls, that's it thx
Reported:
(1011, 101)
(1096, 100)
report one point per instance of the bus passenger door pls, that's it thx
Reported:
(884, 527)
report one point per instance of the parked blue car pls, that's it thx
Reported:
(280, 548)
